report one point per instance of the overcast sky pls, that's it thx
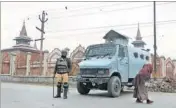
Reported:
(86, 23)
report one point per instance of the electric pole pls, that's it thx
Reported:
(43, 21)
(155, 47)
(0, 55)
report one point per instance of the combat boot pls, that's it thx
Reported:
(58, 91)
(65, 93)
(65, 90)
(62, 89)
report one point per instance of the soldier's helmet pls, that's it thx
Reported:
(64, 53)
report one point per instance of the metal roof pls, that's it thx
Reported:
(113, 34)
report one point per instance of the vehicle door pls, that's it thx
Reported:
(123, 64)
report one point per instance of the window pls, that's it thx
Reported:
(135, 55)
(147, 58)
(142, 56)
(121, 51)
(100, 50)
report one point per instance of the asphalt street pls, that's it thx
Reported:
(34, 96)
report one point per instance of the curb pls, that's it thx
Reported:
(72, 85)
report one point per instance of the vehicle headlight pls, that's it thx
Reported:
(78, 76)
(101, 71)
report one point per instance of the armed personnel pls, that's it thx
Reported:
(62, 68)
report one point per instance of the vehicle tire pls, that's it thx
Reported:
(130, 86)
(82, 89)
(114, 86)
(122, 88)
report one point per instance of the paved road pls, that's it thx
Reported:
(31, 96)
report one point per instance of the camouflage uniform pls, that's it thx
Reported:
(61, 74)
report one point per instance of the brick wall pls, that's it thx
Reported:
(5, 63)
(5, 67)
(35, 71)
(169, 69)
(158, 73)
(20, 71)
(21, 62)
(50, 71)
(35, 57)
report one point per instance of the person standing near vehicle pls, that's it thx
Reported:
(62, 69)
(140, 91)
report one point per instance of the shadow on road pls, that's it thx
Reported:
(105, 94)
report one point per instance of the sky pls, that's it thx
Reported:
(86, 23)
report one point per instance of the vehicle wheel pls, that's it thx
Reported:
(122, 88)
(82, 89)
(130, 86)
(114, 86)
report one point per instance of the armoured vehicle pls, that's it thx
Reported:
(111, 65)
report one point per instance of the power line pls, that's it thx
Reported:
(86, 14)
(146, 36)
(77, 9)
(101, 13)
(77, 15)
(95, 13)
(124, 25)
(88, 33)
(97, 32)
(30, 15)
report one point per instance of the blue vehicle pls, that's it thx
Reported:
(110, 66)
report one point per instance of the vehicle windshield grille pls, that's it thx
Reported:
(88, 71)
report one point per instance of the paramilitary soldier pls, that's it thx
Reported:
(62, 68)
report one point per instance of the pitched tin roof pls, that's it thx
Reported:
(113, 34)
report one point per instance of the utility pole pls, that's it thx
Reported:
(0, 56)
(155, 47)
(43, 21)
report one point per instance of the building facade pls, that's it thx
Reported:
(15, 59)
